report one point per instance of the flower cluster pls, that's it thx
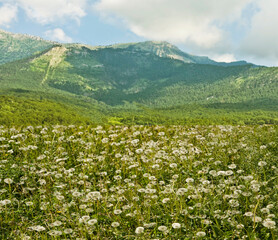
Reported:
(139, 182)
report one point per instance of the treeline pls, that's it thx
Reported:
(24, 111)
(27, 110)
(192, 117)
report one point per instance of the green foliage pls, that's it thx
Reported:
(25, 111)
(257, 86)
(198, 114)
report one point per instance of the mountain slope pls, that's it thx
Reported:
(18, 46)
(167, 50)
(137, 83)
(115, 76)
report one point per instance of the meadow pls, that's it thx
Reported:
(138, 182)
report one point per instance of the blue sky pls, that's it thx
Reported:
(224, 30)
(91, 29)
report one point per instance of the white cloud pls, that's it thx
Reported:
(224, 58)
(261, 41)
(8, 14)
(49, 11)
(194, 23)
(59, 35)
(246, 28)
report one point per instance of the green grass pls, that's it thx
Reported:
(138, 182)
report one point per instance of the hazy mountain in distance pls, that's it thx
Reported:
(168, 50)
(18, 46)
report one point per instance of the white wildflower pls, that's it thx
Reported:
(92, 222)
(117, 211)
(232, 166)
(262, 163)
(37, 228)
(200, 234)
(5, 202)
(176, 225)
(139, 230)
(115, 224)
(162, 228)
(68, 231)
(8, 180)
(189, 180)
(268, 223)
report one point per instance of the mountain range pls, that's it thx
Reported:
(143, 83)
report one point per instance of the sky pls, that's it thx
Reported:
(224, 30)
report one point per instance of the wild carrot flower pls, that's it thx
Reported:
(8, 180)
(162, 228)
(176, 225)
(268, 223)
(115, 224)
(200, 234)
(139, 230)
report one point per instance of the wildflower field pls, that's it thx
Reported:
(139, 182)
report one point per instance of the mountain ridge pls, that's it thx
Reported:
(166, 49)
(159, 48)
(147, 82)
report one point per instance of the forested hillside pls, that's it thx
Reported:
(133, 83)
